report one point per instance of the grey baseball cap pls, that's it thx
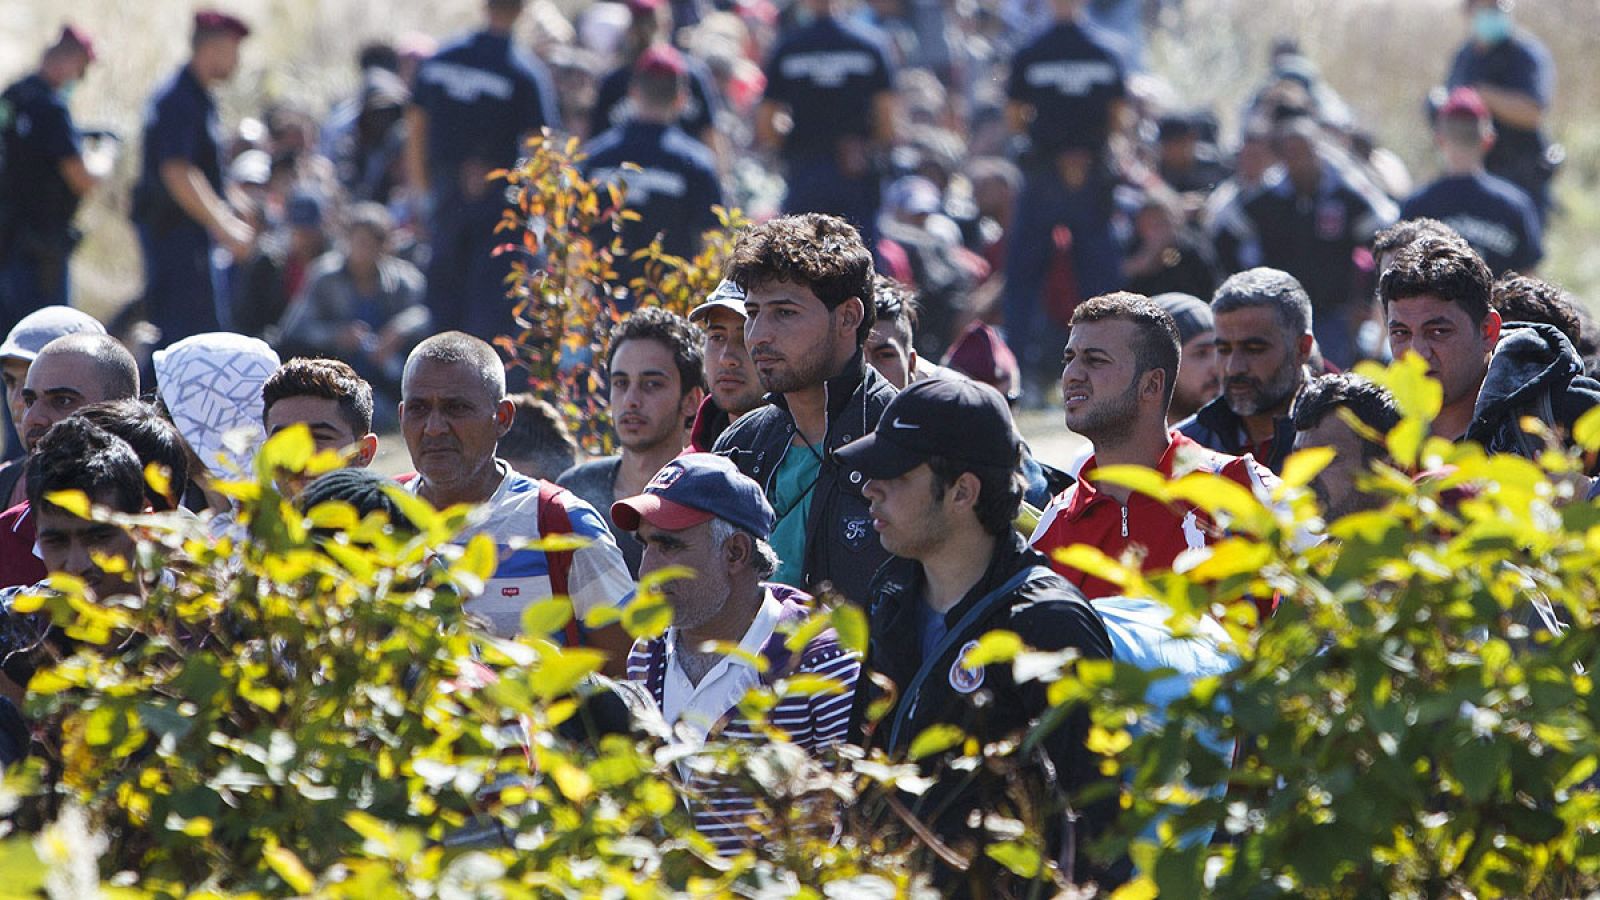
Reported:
(727, 296)
(42, 326)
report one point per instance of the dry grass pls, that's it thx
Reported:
(1382, 55)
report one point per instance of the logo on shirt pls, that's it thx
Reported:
(857, 531)
(510, 591)
(963, 678)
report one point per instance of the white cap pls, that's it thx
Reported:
(42, 326)
(211, 385)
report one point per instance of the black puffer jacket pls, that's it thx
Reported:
(842, 549)
(988, 704)
(1534, 372)
(1216, 427)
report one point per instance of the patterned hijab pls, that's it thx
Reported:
(211, 386)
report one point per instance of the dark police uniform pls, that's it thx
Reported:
(828, 74)
(673, 189)
(1314, 238)
(1519, 63)
(1071, 77)
(612, 106)
(36, 203)
(481, 95)
(1494, 215)
(180, 124)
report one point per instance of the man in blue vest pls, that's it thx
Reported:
(178, 204)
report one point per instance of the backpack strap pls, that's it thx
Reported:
(553, 519)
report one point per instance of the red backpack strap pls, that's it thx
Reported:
(553, 520)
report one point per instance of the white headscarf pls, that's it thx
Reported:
(211, 384)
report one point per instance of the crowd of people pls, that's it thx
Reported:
(954, 183)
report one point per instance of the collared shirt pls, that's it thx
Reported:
(1082, 514)
(694, 709)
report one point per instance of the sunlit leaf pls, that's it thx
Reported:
(935, 739)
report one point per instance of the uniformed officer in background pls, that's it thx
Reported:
(675, 184)
(473, 104)
(833, 83)
(43, 177)
(178, 205)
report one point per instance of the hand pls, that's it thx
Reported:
(237, 237)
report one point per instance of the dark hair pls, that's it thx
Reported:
(329, 379)
(658, 88)
(1403, 234)
(152, 438)
(893, 301)
(1524, 298)
(540, 435)
(1371, 403)
(363, 489)
(1157, 344)
(1264, 287)
(119, 372)
(1449, 270)
(1000, 490)
(680, 336)
(822, 253)
(78, 455)
(460, 348)
(378, 55)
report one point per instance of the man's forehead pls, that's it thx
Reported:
(439, 378)
(1249, 322)
(780, 292)
(77, 371)
(17, 368)
(1110, 335)
(1424, 308)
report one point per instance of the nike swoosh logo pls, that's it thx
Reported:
(899, 424)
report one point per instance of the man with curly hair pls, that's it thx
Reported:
(808, 304)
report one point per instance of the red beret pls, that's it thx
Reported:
(1466, 103)
(661, 59)
(210, 21)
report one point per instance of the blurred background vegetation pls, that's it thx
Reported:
(1381, 55)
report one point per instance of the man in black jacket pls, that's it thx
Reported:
(941, 469)
(1436, 295)
(1263, 344)
(808, 306)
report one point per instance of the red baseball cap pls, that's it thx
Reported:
(644, 7)
(214, 21)
(1466, 103)
(661, 59)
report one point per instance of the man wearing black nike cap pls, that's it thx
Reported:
(943, 488)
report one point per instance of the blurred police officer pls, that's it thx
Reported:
(675, 184)
(835, 84)
(42, 179)
(178, 204)
(472, 105)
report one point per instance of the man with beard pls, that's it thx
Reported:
(1263, 344)
(1121, 364)
(1317, 423)
(808, 307)
(732, 388)
(654, 373)
(1197, 365)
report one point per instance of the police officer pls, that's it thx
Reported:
(42, 179)
(1513, 73)
(675, 184)
(471, 107)
(651, 22)
(1496, 217)
(178, 203)
(836, 85)
(1065, 92)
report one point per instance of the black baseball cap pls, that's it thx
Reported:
(955, 418)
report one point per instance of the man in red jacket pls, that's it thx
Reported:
(1120, 364)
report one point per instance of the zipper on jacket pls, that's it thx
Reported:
(1124, 521)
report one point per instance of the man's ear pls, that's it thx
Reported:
(689, 405)
(504, 414)
(366, 451)
(737, 550)
(1491, 330)
(851, 312)
(1303, 347)
(965, 490)
(1154, 384)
